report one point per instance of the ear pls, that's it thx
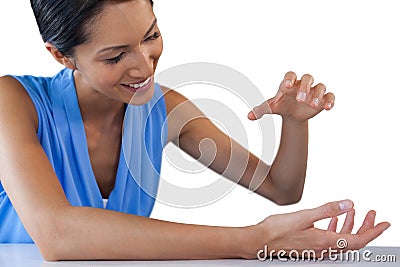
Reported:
(59, 56)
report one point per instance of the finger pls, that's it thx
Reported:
(276, 98)
(329, 210)
(359, 241)
(260, 110)
(333, 224)
(317, 96)
(251, 116)
(328, 101)
(348, 222)
(368, 222)
(304, 88)
(288, 81)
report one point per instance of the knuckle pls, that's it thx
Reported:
(320, 243)
(320, 87)
(328, 97)
(357, 241)
(258, 109)
(307, 77)
(359, 244)
(290, 74)
(330, 210)
(265, 109)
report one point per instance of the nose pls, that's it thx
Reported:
(142, 64)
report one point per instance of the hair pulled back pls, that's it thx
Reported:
(66, 23)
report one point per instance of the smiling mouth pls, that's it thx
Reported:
(138, 85)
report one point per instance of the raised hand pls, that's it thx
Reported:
(296, 99)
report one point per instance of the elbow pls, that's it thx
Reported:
(288, 195)
(49, 254)
(53, 249)
(49, 248)
(51, 241)
(286, 200)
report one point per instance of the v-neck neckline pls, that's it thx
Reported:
(79, 139)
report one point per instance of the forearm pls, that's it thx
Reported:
(288, 170)
(89, 233)
(282, 182)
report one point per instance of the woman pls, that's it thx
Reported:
(69, 128)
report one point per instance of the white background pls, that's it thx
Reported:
(351, 46)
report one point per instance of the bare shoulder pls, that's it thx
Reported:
(183, 115)
(175, 102)
(172, 98)
(15, 103)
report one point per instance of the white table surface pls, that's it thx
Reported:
(28, 255)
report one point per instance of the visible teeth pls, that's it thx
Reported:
(145, 82)
(138, 85)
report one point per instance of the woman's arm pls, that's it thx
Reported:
(282, 182)
(64, 232)
(296, 102)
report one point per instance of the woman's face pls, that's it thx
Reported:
(120, 59)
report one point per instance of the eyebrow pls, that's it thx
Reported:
(120, 47)
(151, 27)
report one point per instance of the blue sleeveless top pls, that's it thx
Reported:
(62, 135)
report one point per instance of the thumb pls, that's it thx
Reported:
(261, 110)
(329, 210)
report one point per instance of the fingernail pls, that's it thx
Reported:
(301, 96)
(345, 205)
(288, 83)
(315, 101)
(329, 105)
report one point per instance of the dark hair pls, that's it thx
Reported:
(66, 23)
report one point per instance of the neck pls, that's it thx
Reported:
(98, 110)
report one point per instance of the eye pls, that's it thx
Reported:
(152, 37)
(114, 60)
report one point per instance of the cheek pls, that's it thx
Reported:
(105, 77)
(160, 46)
(158, 49)
(99, 75)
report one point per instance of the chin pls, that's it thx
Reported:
(141, 98)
